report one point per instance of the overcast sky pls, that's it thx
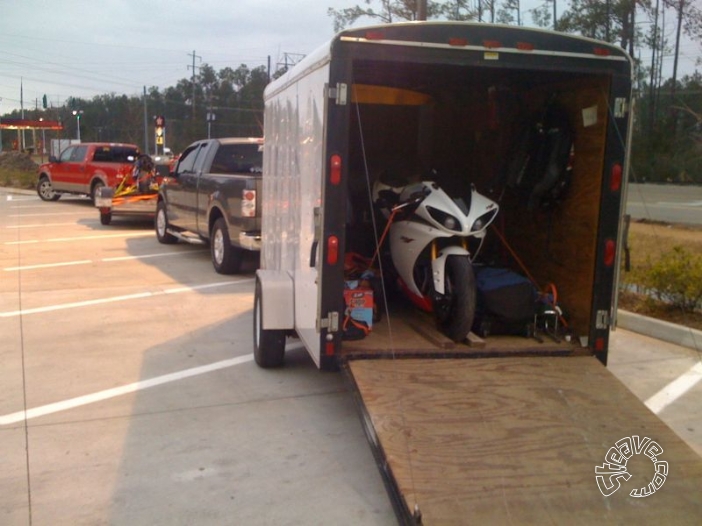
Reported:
(85, 48)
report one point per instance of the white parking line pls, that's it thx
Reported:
(89, 261)
(126, 297)
(43, 225)
(80, 238)
(48, 214)
(675, 389)
(48, 409)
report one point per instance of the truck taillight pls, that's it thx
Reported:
(248, 203)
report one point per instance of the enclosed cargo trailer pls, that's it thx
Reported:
(500, 427)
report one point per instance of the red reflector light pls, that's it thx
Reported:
(601, 52)
(615, 179)
(599, 344)
(525, 46)
(332, 250)
(329, 349)
(458, 41)
(335, 169)
(492, 44)
(374, 35)
(610, 250)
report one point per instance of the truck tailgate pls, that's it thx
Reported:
(516, 441)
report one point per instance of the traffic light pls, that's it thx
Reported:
(44, 102)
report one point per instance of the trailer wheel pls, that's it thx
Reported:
(105, 218)
(46, 191)
(269, 344)
(226, 259)
(455, 311)
(94, 189)
(161, 225)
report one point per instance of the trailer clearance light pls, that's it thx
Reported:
(248, 203)
(335, 169)
(375, 35)
(332, 250)
(610, 250)
(601, 52)
(458, 42)
(615, 179)
(492, 44)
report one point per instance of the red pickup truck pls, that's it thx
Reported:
(83, 168)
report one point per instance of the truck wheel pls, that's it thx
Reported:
(161, 226)
(46, 191)
(105, 218)
(455, 311)
(225, 258)
(269, 344)
(94, 189)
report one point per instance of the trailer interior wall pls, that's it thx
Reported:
(465, 133)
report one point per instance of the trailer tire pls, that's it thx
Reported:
(94, 190)
(45, 190)
(226, 258)
(105, 218)
(269, 344)
(456, 310)
(161, 226)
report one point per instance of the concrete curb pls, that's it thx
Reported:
(16, 191)
(661, 330)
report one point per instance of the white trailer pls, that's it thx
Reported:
(503, 429)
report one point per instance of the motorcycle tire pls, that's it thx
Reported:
(455, 311)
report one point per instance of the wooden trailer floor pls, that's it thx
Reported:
(515, 440)
(412, 333)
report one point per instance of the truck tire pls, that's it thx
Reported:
(456, 310)
(46, 191)
(226, 258)
(269, 344)
(161, 226)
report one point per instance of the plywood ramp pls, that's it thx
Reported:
(516, 441)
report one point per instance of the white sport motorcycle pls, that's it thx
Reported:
(429, 233)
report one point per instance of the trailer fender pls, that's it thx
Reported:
(278, 306)
(438, 265)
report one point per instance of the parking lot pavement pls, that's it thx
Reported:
(667, 377)
(133, 361)
(143, 405)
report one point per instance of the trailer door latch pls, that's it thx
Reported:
(331, 322)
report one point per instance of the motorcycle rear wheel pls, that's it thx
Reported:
(455, 310)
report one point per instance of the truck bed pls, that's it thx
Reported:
(515, 440)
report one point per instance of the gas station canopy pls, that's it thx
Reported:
(24, 124)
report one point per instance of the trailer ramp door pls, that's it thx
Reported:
(517, 441)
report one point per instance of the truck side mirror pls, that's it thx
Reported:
(53, 159)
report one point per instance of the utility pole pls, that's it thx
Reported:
(146, 126)
(193, 81)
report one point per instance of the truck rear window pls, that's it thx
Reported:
(238, 159)
(115, 154)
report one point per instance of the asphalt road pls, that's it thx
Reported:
(668, 203)
(144, 407)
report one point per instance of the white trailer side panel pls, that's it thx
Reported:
(292, 188)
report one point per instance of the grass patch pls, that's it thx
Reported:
(650, 243)
(14, 178)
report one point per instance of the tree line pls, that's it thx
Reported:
(667, 134)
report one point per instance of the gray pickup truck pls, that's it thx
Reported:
(211, 197)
